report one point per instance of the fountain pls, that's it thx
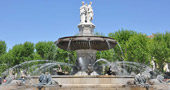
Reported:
(86, 44)
(86, 73)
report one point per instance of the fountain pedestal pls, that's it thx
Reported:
(86, 29)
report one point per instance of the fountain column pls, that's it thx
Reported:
(86, 57)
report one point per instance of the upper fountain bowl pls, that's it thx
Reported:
(98, 43)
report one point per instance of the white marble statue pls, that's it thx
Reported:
(83, 13)
(90, 13)
(86, 13)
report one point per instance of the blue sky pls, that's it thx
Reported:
(48, 20)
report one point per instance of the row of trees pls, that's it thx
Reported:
(24, 52)
(139, 47)
(132, 46)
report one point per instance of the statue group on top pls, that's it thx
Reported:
(86, 13)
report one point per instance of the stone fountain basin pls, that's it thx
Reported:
(98, 43)
(88, 81)
(102, 82)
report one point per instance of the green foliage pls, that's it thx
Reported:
(167, 39)
(3, 65)
(45, 49)
(137, 49)
(2, 47)
(21, 52)
(2, 55)
(160, 49)
(17, 53)
(7, 57)
(28, 51)
(37, 57)
(61, 55)
(108, 54)
(65, 56)
(121, 36)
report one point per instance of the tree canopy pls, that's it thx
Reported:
(3, 47)
(131, 46)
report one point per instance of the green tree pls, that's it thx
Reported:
(65, 56)
(107, 54)
(2, 47)
(121, 36)
(45, 49)
(7, 61)
(137, 49)
(37, 57)
(28, 51)
(17, 54)
(2, 55)
(20, 53)
(167, 40)
(160, 49)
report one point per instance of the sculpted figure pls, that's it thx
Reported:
(90, 13)
(83, 13)
(86, 13)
